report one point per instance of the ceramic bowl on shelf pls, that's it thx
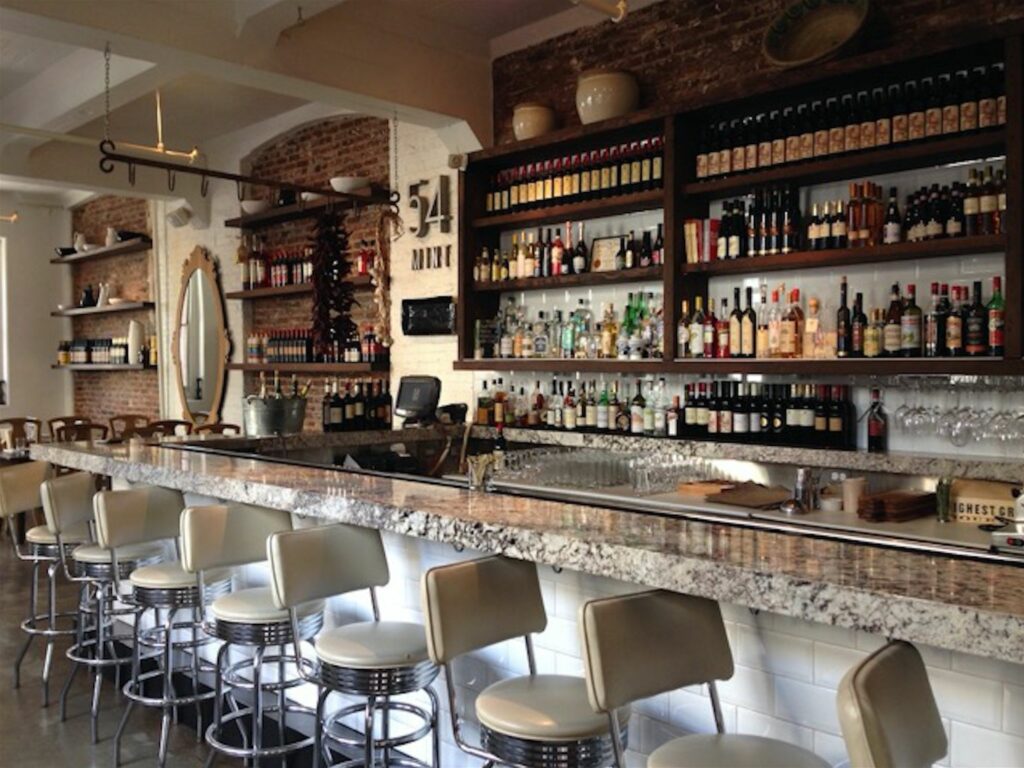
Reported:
(602, 94)
(251, 207)
(811, 31)
(309, 197)
(349, 184)
(530, 120)
(115, 300)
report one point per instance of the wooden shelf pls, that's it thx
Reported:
(885, 366)
(103, 367)
(135, 245)
(585, 209)
(125, 306)
(310, 210)
(335, 368)
(928, 249)
(585, 367)
(642, 274)
(897, 157)
(359, 281)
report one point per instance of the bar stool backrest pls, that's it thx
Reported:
(640, 645)
(223, 535)
(317, 563)
(137, 516)
(887, 711)
(478, 603)
(67, 501)
(19, 486)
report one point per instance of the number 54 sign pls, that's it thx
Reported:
(428, 208)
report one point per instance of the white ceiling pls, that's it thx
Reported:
(22, 58)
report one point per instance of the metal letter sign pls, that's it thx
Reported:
(434, 209)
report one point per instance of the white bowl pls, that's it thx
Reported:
(251, 207)
(531, 120)
(309, 197)
(603, 93)
(115, 300)
(349, 184)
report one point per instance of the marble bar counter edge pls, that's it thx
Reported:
(951, 603)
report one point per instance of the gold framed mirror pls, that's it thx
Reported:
(201, 345)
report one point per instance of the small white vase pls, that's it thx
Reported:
(134, 341)
(111, 237)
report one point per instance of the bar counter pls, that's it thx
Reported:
(943, 601)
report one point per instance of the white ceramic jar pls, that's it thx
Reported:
(604, 93)
(530, 120)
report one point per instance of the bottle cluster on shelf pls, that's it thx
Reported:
(615, 170)
(962, 326)
(769, 221)
(296, 345)
(356, 405)
(106, 351)
(812, 415)
(549, 255)
(637, 334)
(889, 113)
(278, 268)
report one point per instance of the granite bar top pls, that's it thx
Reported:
(921, 464)
(941, 601)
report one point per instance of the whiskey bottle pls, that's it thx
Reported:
(976, 325)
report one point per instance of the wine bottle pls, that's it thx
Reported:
(844, 330)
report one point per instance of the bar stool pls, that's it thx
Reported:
(146, 515)
(887, 711)
(533, 720)
(221, 536)
(374, 660)
(654, 642)
(19, 492)
(68, 503)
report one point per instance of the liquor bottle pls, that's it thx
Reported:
(774, 327)
(955, 224)
(996, 319)
(697, 329)
(1001, 202)
(791, 226)
(874, 333)
(735, 342)
(646, 250)
(878, 424)
(892, 231)
(631, 255)
(557, 247)
(683, 332)
(916, 122)
(854, 211)
(910, 325)
(725, 408)
(791, 327)
(658, 254)
(761, 340)
(580, 256)
(988, 205)
(935, 326)
(976, 325)
(748, 327)
(724, 225)
(837, 235)
(851, 124)
(636, 410)
(700, 412)
(815, 242)
(891, 334)
(674, 418)
(756, 418)
(858, 326)
(955, 326)
(569, 409)
(972, 205)
(710, 332)
(723, 348)
(844, 324)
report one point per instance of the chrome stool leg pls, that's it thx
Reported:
(32, 588)
(51, 573)
(257, 702)
(435, 731)
(169, 695)
(368, 751)
(130, 703)
(83, 607)
(97, 682)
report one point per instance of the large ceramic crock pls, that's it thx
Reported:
(531, 120)
(603, 93)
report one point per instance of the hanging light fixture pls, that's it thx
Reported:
(615, 10)
(11, 217)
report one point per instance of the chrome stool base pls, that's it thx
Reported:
(596, 752)
(377, 686)
(260, 637)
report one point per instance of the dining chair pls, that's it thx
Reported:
(84, 430)
(171, 426)
(126, 421)
(27, 429)
(61, 421)
(145, 431)
(218, 429)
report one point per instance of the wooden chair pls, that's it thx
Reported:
(85, 430)
(27, 429)
(145, 430)
(218, 429)
(126, 421)
(54, 424)
(170, 426)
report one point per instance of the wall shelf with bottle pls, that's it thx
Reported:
(295, 289)
(103, 367)
(329, 368)
(905, 118)
(122, 306)
(311, 209)
(135, 245)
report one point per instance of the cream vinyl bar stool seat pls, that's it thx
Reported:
(221, 536)
(887, 711)
(68, 501)
(535, 721)
(128, 522)
(19, 492)
(645, 644)
(374, 660)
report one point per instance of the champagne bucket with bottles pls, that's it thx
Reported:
(269, 416)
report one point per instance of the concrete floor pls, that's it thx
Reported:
(32, 736)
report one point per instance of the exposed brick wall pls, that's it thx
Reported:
(310, 155)
(680, 49)
(100, 395)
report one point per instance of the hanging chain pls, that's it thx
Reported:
(394, 150)
(106, 92)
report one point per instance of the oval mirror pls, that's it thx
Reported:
(201, 345)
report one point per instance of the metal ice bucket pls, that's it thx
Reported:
(266, 417)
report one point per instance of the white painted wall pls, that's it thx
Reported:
(33, 289)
